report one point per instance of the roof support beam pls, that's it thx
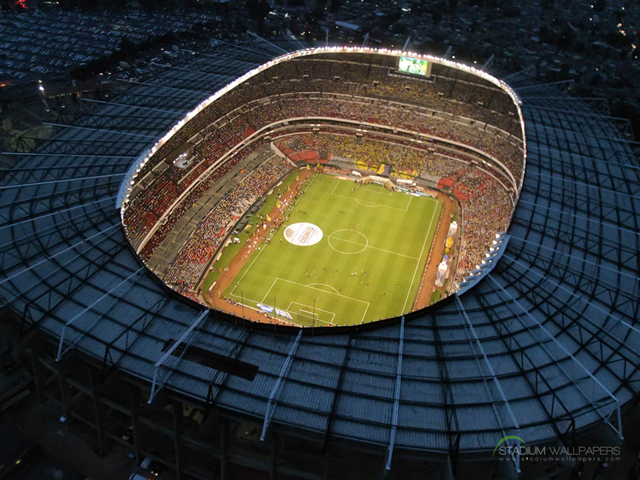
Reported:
(451, 417)
(526, 71)
(573, 294)
(180, 112)
(65, 180)
(597, 221)
(334, 401)
(39, 154)
(86, 309)
(275, 392)
(538, 85)
(535, 365)
(267, 42)
(295, 39)
(598, 334)
(19, 294)
(64, 250)
(396, 397)
(234, 354)
(605, 417)
(563, 178)
(117, 132)
(57, 212)
(583, 260)
(168, 353)
(202, 92)
(515, 456)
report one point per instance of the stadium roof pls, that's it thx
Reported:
(549, 337)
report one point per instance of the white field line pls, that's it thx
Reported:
(362, 202)
(321, 290)
(365, 313)
(245, 299)
(375, 248)
(314, 319)
(386, 194)
(245, 273)
(332, 288)
(309, 307)
(418, 262)
(343, 296)
(374, 204)
(256, 258)
(269, 291)
(336, 186)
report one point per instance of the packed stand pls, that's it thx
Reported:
(190, 263)
(444, 108)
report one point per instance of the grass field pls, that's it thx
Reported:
(231, 250)
(367, 266)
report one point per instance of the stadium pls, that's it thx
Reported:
(447, 128)
(535, 340)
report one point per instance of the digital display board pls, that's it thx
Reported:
(414, 66)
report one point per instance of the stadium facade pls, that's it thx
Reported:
(547, 343)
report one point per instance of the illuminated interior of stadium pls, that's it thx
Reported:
(417, 124)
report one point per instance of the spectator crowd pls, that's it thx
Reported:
(190, 263)
(456, 112)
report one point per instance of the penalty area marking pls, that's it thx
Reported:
(386, 194)
(373, 204)
(367, 203)
(320, 290)
(326, 284)
(310, 310)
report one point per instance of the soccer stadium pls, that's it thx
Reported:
(372, 134)
(177, 258)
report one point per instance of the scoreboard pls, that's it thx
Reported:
(414, 66)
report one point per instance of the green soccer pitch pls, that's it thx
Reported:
(367, 265)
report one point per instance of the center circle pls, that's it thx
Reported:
(348, 241)
(303, 234)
